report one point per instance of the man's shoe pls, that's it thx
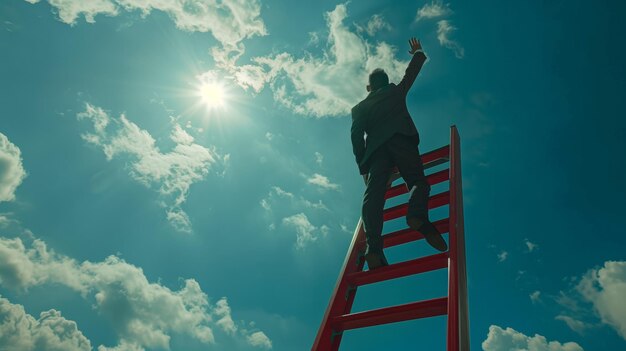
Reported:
(430, 232)
(376, 260)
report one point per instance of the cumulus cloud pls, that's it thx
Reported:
(325, 85)
(259, 339)
(229, 21)
(11, 169)
(435, 9)
(502, 256)
(605, 289)
(172, 172)
(144, 314)
(444, 30)
(322, 181)
(499, 339)
(50, 332)
(305, 231)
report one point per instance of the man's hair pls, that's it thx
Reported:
(378, 79)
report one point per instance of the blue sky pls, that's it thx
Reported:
(138, 214)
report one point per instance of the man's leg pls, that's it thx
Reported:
(405, 153)
(373, 205)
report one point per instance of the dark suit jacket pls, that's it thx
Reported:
(382, 114)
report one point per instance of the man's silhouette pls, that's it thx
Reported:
(391, 140)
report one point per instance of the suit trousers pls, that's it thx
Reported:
(401, 151)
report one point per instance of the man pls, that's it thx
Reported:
(391, 140)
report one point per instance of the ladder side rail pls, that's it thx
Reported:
(341, 299)
(460, 232)
(458, 326)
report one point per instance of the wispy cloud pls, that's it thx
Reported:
(574, 324)
(499, 339)
(502, 256)
(12, 171)
(276, 193)
(305, 231)
(173, 172)
(375, 24)
(530, 245)
(152, 311)
(21, 331)
(433, 10)
(322, 182)
(535, 296)
(444, 30)
(437, 9)
(319, 158)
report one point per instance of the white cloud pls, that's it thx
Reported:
(144, 314)
(277, 193)
(509, 339)
(375, 24)
(444, 29)
(322, 181)
(51, 332)
(530, 245)
(229, 21)
(605, 289)
(11, 169)
(574, 324)
(328, 85)
(535, 296)
(502, 256)
(172, 172)
(259, 339)
(435, 9)
(305, 231)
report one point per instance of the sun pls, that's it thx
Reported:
(212, 94)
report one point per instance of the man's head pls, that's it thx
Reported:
(378, 79)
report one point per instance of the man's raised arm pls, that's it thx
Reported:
(415, 65)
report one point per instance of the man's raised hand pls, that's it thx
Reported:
(415, 45)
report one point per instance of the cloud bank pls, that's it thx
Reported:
(21, 331)
(144, 314)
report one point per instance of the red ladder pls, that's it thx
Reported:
(338, 318)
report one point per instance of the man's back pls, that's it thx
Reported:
(383, 113)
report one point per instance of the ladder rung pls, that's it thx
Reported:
(437, 156)
(432, 179)
(399, 313)
(400, 210)
(407, 235)
(398, 270)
